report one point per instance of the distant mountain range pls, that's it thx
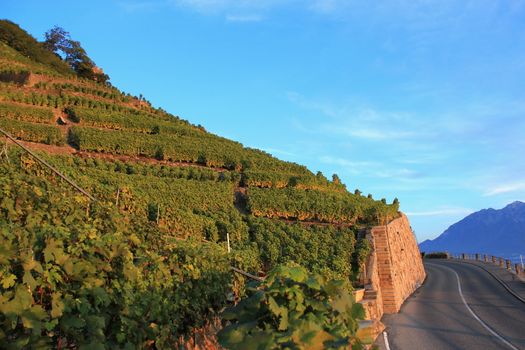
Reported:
(496, 232)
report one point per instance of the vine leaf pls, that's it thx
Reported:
(8, 281)
(57, 305)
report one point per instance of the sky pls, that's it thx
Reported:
(423, 100)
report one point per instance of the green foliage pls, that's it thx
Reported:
(47, 134)
(304, 180)
(293, 309)
(26, 113)
(336, 179)
(72, 115)
(14, 62)
(20, 40)
(436, 255)
(87, 87)
(208, 150)
(131, 121)
(359, 257)
(159, 153)
(153, 211)
(11, 92)
(326, 250)
(73, 280)
(331, 207)
(192, 199)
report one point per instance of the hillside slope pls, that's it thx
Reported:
(498, 232)
(64, 115)
(168, 194)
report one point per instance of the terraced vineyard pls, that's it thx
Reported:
(169, 195)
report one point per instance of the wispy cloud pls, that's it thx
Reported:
(362, 122)
(141, 6)
(442, 212)
(278, 151)
(506, 188)
(402, 173)
(244, 18)
(372, 168)
(327, 109)
(348, 166)
(422, 17)
(376, 134)
(229, 6)
(346, 162)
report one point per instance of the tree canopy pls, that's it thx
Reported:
(59, 41)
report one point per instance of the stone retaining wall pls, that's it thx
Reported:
(399, 264)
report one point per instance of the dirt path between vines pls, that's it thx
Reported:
(51, 149)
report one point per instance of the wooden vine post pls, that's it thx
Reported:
(118, 196)
(3, 152)
(46, 164)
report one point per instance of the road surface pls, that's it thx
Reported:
(477, 313)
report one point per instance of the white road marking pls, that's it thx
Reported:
(385, 336)
(503, 340)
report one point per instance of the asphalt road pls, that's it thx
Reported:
(484, 315)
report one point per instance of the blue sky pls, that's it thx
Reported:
(423, 100)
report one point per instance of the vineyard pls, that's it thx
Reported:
(187, 198)
(71, 276)
(301, 180)
(85, 88)
(147, 263)
(134, 247)
(50, 135)
(306, 205)
(131, 121)
(26, 113)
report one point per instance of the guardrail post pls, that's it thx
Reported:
(463, 256)
(493, 259)
(477, 257)
(501, 262)
(508, 263)
(517, 267)
(485, 259)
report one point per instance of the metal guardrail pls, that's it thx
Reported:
(507, 264)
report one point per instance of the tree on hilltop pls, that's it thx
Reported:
(59, 41)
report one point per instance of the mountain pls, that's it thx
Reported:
(496, 232)
(145, 257)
